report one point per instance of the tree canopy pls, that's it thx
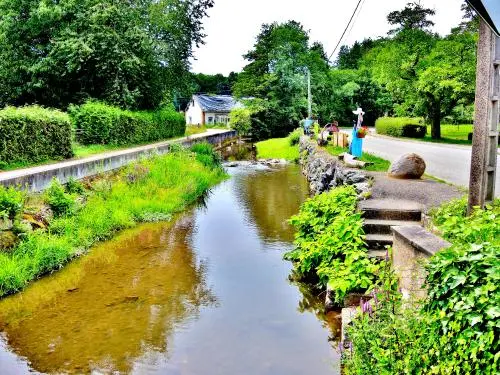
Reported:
(134, 54)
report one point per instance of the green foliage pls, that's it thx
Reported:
(456, 329)
(464, 295)
(214, 84)
(133, 54)
(58, 200)
(276, 77)
(174, 181)
(387, 337)
(74, 186)
(277, 148)
(401, 127)
(294, 137)
(329, 243)
(206, 155)
(98, 123)
(240, 120)
(463, 288)
(34, 134)
(11, 202)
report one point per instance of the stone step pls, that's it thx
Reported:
(389, 214)
(389, 209)
(378, 241)
(380, 226)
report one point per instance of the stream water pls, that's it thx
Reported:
(205, 294)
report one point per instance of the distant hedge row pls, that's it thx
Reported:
(34, 134)
(98, 123)
(401, 127)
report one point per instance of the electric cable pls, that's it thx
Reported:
(345, 30)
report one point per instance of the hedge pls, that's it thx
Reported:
(401, 127)
(99, 123)
(33, 134)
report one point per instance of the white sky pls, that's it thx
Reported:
(233, 25)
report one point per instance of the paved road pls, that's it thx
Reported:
(448, 162)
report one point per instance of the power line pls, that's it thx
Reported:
(345, 30)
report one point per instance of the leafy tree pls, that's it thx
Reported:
(214, 84)
(130, 53)
(412, 17)
(276, 74)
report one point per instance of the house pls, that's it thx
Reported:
(210, 109)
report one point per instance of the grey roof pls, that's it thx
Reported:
(217, 103)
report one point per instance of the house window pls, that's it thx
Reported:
(210, 120)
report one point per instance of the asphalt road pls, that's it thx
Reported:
(448, 162)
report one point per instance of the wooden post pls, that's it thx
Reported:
(485, 138)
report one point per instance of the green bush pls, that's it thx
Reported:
(240, 120)
(99, 123)
(59, 201)
(206, 155)
(294, 137)
(329, 243)
(11, 202)
(33, 134)
(401, 127)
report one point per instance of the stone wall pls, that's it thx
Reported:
(324, 171)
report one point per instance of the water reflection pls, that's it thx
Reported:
(272, 198)
(112, 306)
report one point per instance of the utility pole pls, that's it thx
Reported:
(309, 95)
(485, 138)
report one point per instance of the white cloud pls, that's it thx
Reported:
(233, 25)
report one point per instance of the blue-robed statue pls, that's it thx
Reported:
(356, 146)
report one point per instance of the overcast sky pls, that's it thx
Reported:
(233, 25)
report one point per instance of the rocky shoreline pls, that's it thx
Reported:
(325, 172)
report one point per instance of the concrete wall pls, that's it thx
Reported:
(411, 248)
(39, 178)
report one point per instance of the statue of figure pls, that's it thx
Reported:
(356, 146)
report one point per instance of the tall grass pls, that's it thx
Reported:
(150, 190)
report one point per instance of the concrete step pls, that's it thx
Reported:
(378, 241)
(380, 226)
(391, 209)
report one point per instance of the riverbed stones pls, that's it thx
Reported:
(7, 241)
(325, 172)
(408, 166)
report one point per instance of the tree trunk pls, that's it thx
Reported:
(436, 120)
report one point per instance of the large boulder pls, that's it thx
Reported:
(408, 166)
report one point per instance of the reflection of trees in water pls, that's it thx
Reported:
(313, 300)
(271, 198)
(120, 307)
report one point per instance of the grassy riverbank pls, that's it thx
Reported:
(150, 190)
(277, 148)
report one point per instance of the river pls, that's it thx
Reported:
(205, 294)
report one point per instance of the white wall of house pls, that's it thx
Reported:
(216, 118)
(194, 113)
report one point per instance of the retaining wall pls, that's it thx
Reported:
(324, 171)
(38, 178)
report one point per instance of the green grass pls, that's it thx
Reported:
(452, 134)
(277, 148)
(152, 189)
(379, 164)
